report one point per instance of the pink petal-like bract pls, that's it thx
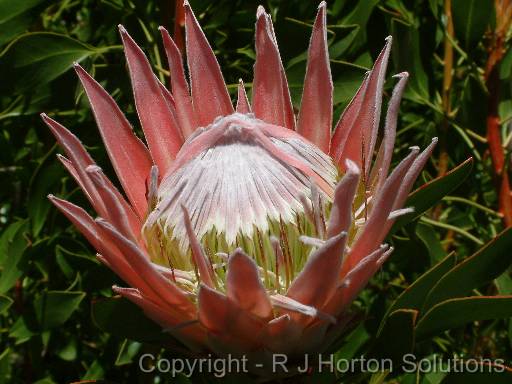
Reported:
(243, 229)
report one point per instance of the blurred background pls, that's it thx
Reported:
(460, 89)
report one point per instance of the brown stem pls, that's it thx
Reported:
(447, 85)
(442, 165)
(496, 148)
(496, 53)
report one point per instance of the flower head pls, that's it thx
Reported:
(246, 230)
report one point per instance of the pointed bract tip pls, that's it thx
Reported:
(414, 148)
(188, 10)
(236, 254)
(101, 221)
(335, 239)
(50, 196)
(435, 140)
(352, 167)
(117, 289)
(389, 39)
(384, 257)
(322, 5)
(43, 115)
(79, 70)
(401, 75)
(122, 29)
(161, 28)
(93, 168)
(260, 11)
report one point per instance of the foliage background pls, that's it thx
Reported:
(49, 278)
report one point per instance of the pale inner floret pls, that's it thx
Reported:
(237, 178)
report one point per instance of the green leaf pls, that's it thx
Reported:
(473, 105)
(7, 237)
(506, 66)
(129, 349)
(12, 247)
(28, 104)
(53, 308)
(427, 234)
(95, 372)
(470, 20)
(504, 284)
(352, 343)
(435, 7)
(497, 375)
(397, 337)
(46, 380)
(21, 330)
(485, 265)
(5, 303)
(35, 59)
(346, 84)
(338, 48)
(44, 181)
(414, 296)
(360, 16)
(69, 351)
(5, 366)
(15, 17)
(124, 319)
(454, 313)
(406, 57)
(10, 9)
(430, 193)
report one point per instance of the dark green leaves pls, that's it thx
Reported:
(432, 192)
(53, 308)
(485, 374)
(15, 17)
(45, 181)
(400, 322)
(457, 312)
(406, 57)
(35, 59)
(485, 265)
(128, 351)
(5, 303)
(360, 16)
(435, 302)
(13, 244)
(11, 9)
(414, 296)
(120, 317)
(470, 20)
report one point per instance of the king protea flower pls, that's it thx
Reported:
(244, 230)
